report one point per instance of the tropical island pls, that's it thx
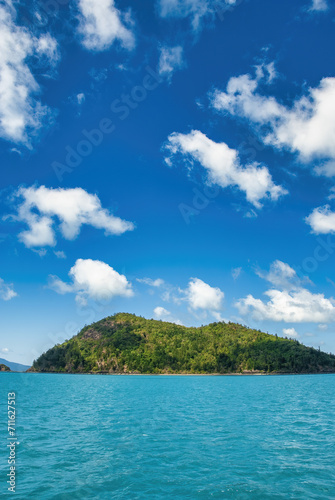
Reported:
(4, 368)
(128, 344)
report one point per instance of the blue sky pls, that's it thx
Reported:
(170, 159)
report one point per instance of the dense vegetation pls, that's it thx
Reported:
(125, 343)
(4, 368)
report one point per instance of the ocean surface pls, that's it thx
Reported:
(171, 437)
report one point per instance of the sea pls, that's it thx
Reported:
(169, 437)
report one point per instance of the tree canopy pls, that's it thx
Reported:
(125, 343)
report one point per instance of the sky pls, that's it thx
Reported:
(171, 159)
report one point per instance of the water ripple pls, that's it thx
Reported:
(151, 437)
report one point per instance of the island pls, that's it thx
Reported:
(4, 368)
(129, 344)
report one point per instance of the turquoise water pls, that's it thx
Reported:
(152, 437)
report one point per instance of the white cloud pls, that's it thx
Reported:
(43, 208)
(170, 60)
(80, 98)
(150, 282)
(197, 10)
(331, 196)
(326, 168)
(218, 316)
(223, 166)
(236, 273)
(295, 306)
(47, 46)
(165, 315)
(59, 286)
(7, 290)
(200, 295)
(17, 151)
(4, 350)
(330, 281)
(322, 220)
(21, 113)
(60, 254)
(306, 128)
(322, 327)
(319, 5)
(93, 279)
(290, 332)
(201, 299)
(281, 275)
(161, 313)
(251, 214)
(101, 24)
(267, 72)
(291, 303)
(40, 251)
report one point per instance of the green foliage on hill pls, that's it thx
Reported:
(125, 343)
(4, 368)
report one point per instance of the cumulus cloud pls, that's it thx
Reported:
(21, 112)
(307, 127)
(197, 10)
(165, 315)
(102, 24)
(200, 298)
(42, 209)
(322, 220)
(200, 295)
(281, 275)
(319, 5)
(223, 166)
(290, 303)
(161, 313)
(4, 350)
(326, 168)
(170, 60)
(295, 306)
(150, 282)
(7, 290)
(290, 332)
(93, 279)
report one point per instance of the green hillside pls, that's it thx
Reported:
(125, 343)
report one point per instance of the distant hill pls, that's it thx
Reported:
(15, 367)
(4, 368)
(125, 343)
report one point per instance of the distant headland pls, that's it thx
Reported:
(4, 368)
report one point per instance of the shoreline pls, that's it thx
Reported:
(257, 374)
